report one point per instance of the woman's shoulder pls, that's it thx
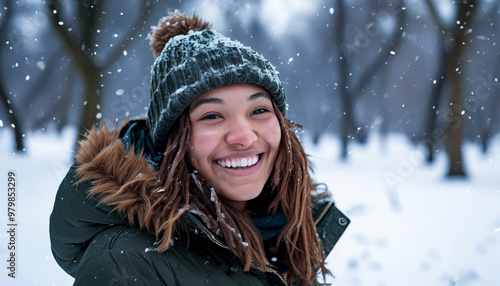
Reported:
(330, 222)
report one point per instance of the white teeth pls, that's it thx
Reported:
(237, 162)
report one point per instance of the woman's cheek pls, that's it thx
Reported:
(274, 132)
(203, 142)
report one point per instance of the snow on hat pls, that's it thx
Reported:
(196, 61)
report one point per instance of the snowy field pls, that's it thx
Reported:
(409, 226)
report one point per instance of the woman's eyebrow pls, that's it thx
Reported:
(215, 100)
(206, 101)
(258, 95)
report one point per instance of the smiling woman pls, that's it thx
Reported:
(212, 188)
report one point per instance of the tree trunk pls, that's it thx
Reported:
(91, 102)
(455, 71)
(18, 134)
(430, 136)
(456, 124)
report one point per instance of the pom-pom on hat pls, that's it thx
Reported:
(195, 60)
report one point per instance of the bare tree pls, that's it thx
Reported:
(459, 32)
(349, 91)
(81, 49)
(10, 110)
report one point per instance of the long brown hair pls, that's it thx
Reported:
(291, 182)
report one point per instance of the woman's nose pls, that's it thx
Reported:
(241, 133)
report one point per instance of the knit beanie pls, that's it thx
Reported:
(194, 63)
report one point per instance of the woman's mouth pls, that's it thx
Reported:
(239, 162)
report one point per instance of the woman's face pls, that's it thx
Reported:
(234, 140)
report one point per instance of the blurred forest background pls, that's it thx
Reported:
(428, 69)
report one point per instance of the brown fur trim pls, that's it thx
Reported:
(119, 177)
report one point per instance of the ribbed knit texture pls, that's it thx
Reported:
(193, 64)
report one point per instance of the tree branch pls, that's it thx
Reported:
(435, 16)
(54, 14)
(139, 22)
(384, 55)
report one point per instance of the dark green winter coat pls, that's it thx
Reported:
(95, 243)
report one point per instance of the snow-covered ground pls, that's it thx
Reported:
(409, 226)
